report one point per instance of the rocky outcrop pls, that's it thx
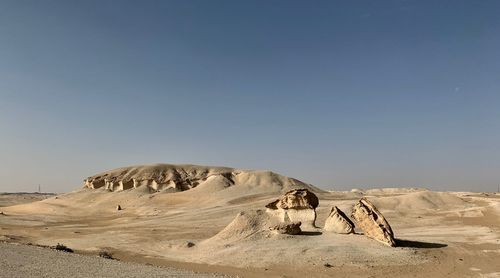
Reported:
(292, 228)
(338, 222)
(159, 177)
(296, 199)
(297, 205)
(174, 178)
(372, 222)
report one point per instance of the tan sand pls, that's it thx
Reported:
(440, 234)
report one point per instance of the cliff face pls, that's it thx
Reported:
(174, 178)
(159, 177)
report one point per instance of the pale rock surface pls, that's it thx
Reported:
(338, 222)
(292, 228)
(372, 222)
(296, 199)
(297, 205)
(175, 178)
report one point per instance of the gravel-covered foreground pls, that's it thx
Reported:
(31, 261)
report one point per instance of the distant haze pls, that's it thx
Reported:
(340, 94)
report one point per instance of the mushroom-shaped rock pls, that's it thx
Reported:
(296, 205)
(372, 222)
(296, 199)
(292, 228)
(338, 222)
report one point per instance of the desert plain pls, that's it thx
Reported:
(201, 219)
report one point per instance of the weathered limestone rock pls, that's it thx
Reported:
(297, 205)
(292, 228)
(95, 184)
(372, 222)
(338, 222)
(174, 178)
(296, 199)
(126, 184)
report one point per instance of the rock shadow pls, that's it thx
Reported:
(310, 233)
(418, 244)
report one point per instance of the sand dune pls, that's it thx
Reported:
(207, 217)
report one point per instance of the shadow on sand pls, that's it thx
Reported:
(310, 233)
(418, 244)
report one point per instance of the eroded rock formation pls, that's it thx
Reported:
(291, 228)
(174, 178)
(372, 222)
(296, 199)
(160, 177)
(297, 205)
(338, 222)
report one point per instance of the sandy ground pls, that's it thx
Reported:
(30, 261)
(10, 199)
(440, 234)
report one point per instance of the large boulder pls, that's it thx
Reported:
(296, 199)
(292, 228)
(297, 205)
(372, 222)
(338, 222)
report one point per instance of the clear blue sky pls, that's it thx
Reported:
(340, 94)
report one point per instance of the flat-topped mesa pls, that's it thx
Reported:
(298, 205)
(372, 222)
(159, 177)
(338, 222)
(173, 178)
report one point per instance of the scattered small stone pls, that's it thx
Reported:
(62, 247)
(328, 265)
(118, 207)
(189, 244)
(106, 255)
